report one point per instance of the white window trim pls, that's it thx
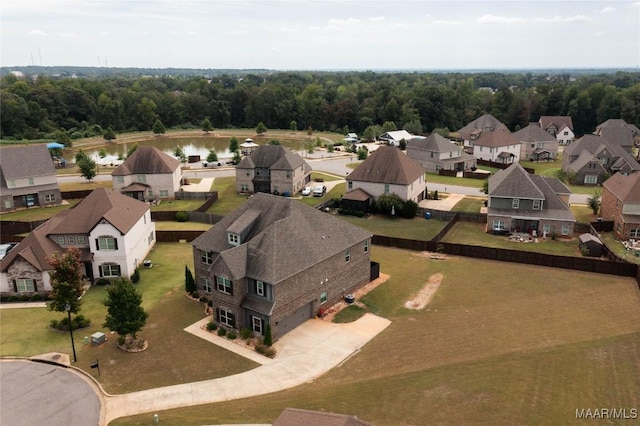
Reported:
(260, 288)
(256, 324)
(515, 203)
(24, 285)
(323, 298)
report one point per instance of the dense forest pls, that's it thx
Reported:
(36, 107)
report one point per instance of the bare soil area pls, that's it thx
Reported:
(424, 296)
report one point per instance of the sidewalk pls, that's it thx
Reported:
(22, 305)
(303, 354)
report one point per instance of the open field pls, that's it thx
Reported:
(500, 343)
(474, 234)
(414, 229)
(173, 356)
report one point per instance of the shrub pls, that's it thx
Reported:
(203, 299)
(182, 216)
(103, 281)
(245, 333)
(136, 276)
(268, 340)
(211, 326)
(231, 335)
(12, 298)
(122, 340)
(409, 209)
(222, 331)
(195, 294)
(266, 350)
(36, 297)
(23, 298)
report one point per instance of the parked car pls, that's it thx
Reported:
(319, 191)
(306, 191)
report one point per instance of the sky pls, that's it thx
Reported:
(321, 35)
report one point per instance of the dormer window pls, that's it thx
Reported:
(234, 239)
(536, 204)
(515, 203)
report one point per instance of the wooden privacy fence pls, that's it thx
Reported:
(176, 236)
(193, 216)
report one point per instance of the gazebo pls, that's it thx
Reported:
(247, 146)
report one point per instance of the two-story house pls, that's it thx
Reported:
(559, 126)
(113, 232)
(435, 153)
(389, 171)
(592, 159)
(536, 144)
(148, 174)
(27, 178)
(498, 146)
(621, 204)
(521, 202)
(272, 169)
(486, 123)
(275, 261)
(619, 132)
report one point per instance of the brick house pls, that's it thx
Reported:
(619, 132)
(272, 169)
(435, 153)
(621, 203)
(521, 202)
(536, 144)
(276, 261)
(113, 232)
(148, 174)
(27, 178)
(389, 171)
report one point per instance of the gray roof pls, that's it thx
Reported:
(274, 157)
(589, 237)
(286, 238)
(482, 122)
(618, 135)
(357, 194)
(512, 182)
(559, 120)
(387, 164)
(532, 133)
(147, 159)
(495, 139)
(624, 187)
(17, 162)
(433, 142)
(588, 147)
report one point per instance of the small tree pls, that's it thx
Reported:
(206, 125)
(268, 338)
(363, 153)
(180, 155)
(158, 128)
(62, 137)
(389, 126)
(330, 148)
(236, 158)
(66, 281)
(293, 125)
(261, 128)
(409, 209)
(435, 195)
(233, 144)
(135, 277)
(189, 282)
(388, 203)
(87, 168)
(125, 315)
(309, 130)
(594, 201)
(109, 134)
(274, 142)
(132, 150)
(402, 145)
(485, 186)
(442, 131)
(102, 153)
(212, 157)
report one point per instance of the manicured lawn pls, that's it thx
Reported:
(37, 213)
(451, 180)
(177, 205)
(325, 176)
(228, 198)
(182, 226)
(173, 356)
(474, 234)
(500, 343)
(415, 228)
(616, 246)
(583, 213)
(469, 205)
(544, 168)
(85, 185)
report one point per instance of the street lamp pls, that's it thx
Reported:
(67, 309)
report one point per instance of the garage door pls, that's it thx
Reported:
(295, 319)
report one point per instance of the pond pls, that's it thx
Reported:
(190, 145)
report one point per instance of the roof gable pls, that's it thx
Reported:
(484, 123)
(18, 162)
(387, 164)
(433, 142)
(147, 159)
(624, 187)
(514, 182)
(559, 121)
(532, 133)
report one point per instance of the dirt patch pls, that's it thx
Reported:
(424, 296)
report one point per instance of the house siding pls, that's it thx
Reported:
(169, 182)
(612, 208)
(23, 269)
(414, 191)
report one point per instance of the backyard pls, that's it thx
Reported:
(501, 342)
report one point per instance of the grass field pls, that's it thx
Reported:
(414, 229)
(37, 213)
(500, 343)
(469, 205)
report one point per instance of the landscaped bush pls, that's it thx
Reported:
(182, 217)
(24, 298)
(351, 212)
(195, 295)
(211, 326)
(103, 281)
(231, 335)
(245, 333)
(12, 298)
(77, 322)
(136, 276)
(222, 331)
(203, 299)
(265, 350)
(36, 297)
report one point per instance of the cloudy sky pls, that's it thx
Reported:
(313, 35)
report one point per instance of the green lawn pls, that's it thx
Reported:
(228, 198)
(85, 185)
(182, 226)
(37, 213)
(500, 343)
(616, 246)
(325, 176)
(451, 180)
(474, 234)
(469, 205)
(173, 355)
(414, 229)
(177, 205)
(583, 213)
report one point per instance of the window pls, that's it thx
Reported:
(288, 173)
(60, 239)
(566, 133)
(386, 188)
(81, 239)
(347, 255)
(206, 285)
(256, 324)
(592, 179)
(106, 243)
(120, 179)
(259, 288)
(515, 203)
(226, 317)
(432, 155)
(49, 198)
(244, 187)
(164, 193)
(533, 145)
(366, 246)
(110, 270)
(71, 239)
(634, 233)
(350, 185)
(8, 204)
(536, 204)
(225, 285)
(234, 239)
(25, 284)
(546, 229)
(498, 224)
(323, 297)
(206, 257)
(150, 193)
(565, 229)
(141, 178)
(30, 181)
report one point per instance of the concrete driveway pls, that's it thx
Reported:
(303, 354)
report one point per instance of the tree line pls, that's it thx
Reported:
(38, 107)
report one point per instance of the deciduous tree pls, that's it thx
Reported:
(125, 314)
(66, 281)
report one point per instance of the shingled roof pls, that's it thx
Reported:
(486, 121)
(298, 417)
(17, 162)
(495, 139)
(514, 181)
(387, 164)
(624, 187)
(147, 159)
(433, 142)
(36, 246)
(532, 133)
(274, 157)
(286, 238)
(559, 120)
